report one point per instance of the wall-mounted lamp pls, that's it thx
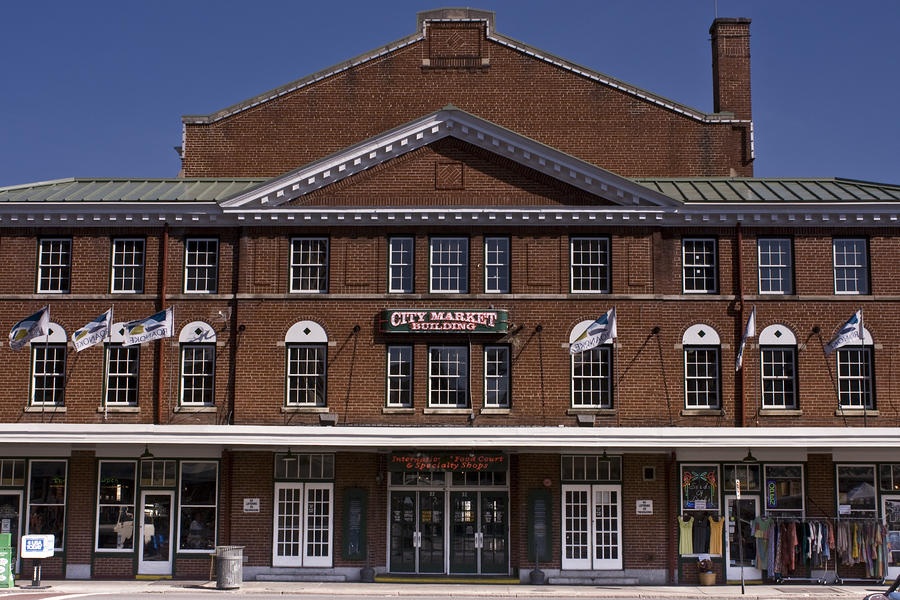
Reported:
(146, 454)
(749, 458)
(604, 457)
(288, 458)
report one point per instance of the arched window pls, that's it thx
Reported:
(778, 367)
(48, 367)
(592, 385)
(121, 369)
(198, 364)
(702, 367)
(306, 345)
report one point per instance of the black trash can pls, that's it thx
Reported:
(229, 567)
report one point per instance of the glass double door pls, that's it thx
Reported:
(458, 532)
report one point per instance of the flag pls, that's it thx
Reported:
(92, 333)
(154, 327)
(598, 332)
(749, 332)
(29, 328)
(850, 332)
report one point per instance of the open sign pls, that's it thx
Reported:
(38, 546)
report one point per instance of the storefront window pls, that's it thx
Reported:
(890, 477)
(700, 487)
(856, 490)
(115, 506)
(12, 472)
(47, 499)
(158, 473)
(198, 505)
(304, 466)
(748, 475)
(784, 490)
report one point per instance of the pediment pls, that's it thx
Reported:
(604, 187)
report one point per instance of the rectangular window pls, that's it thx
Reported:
(304, 466)
(306, 374)
(47, 499)
(12, 472)
(590, 468)
(448, 368)
(700, 265)
(776, 271)
(450, 265)
(701, 377)
(700, 488)
(197, 523)
(496, 265)
(856, 491)
(590, 265)
(851, 266)
(496, 376)
(201, 266)
(779, 377)
(127, 266)
(122, 375)
(400, 265)
(48, 381)
(115, 506)
(309, 265)
(399, 376)
(591, 378)
(856, 387)
(54, 265)
(198, 374)
(783, 491)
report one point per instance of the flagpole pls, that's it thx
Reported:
(105, 360)
(862, 352)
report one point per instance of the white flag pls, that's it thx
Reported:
(850, 332)
(29, 328)
(154, 327)
(749, 332)
(92, 333)
(598, 332)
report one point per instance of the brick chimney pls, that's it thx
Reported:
(731, 66)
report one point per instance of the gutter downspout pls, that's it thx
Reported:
(160, 350)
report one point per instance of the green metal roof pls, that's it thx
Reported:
(747, 190)
(693, 190)
(127, 190)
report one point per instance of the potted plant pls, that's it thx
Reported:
(705, 568)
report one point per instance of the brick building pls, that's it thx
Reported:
(375, 277)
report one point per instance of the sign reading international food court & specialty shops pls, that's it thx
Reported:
(456, 462)
(417, 320)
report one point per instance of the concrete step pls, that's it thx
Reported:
(299, 576)
(592, 578)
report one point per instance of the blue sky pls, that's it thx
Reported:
(97, 88)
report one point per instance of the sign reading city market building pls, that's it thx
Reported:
(417, 320)
(456, 462)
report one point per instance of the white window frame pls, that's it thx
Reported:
(309, 265)
(700, 264)
(590, 265)
(851, 266)
(584, 508)
(126, 508)
(775, 265)
(401, 265)
(449, 265)
(399, 376)
(54, 273)
(201, 277)
(496, 265)
(452, 365)
(306, 336)
(187, 506)
(314, 529)
(52, 379)
(124, 382)
(702, 339)
(197, 342)
(778, 386)
(127, 266)
(497, 376)
(842, 493)
(58, 503)
(856, 374)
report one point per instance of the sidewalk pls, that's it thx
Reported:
(687, 592)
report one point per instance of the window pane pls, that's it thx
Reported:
(496, 265)
(309, 265)
(700, 265)
(591, 381)
(47, 499)
(197, 529)
(198, 367)
(701, 377)
(590, 264)
(449, 376)
(450, 265)
(854, 371)
(496, 376)
(784, 490)
(128, 266)
(122, 374)
(775, 266)
(54, 265)
(400, 265)
(306, 375)
(851, 268)
(779, 377)
(201, 266)
(856, 489)
(399, 376)
(48, 374)
(115, 510)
